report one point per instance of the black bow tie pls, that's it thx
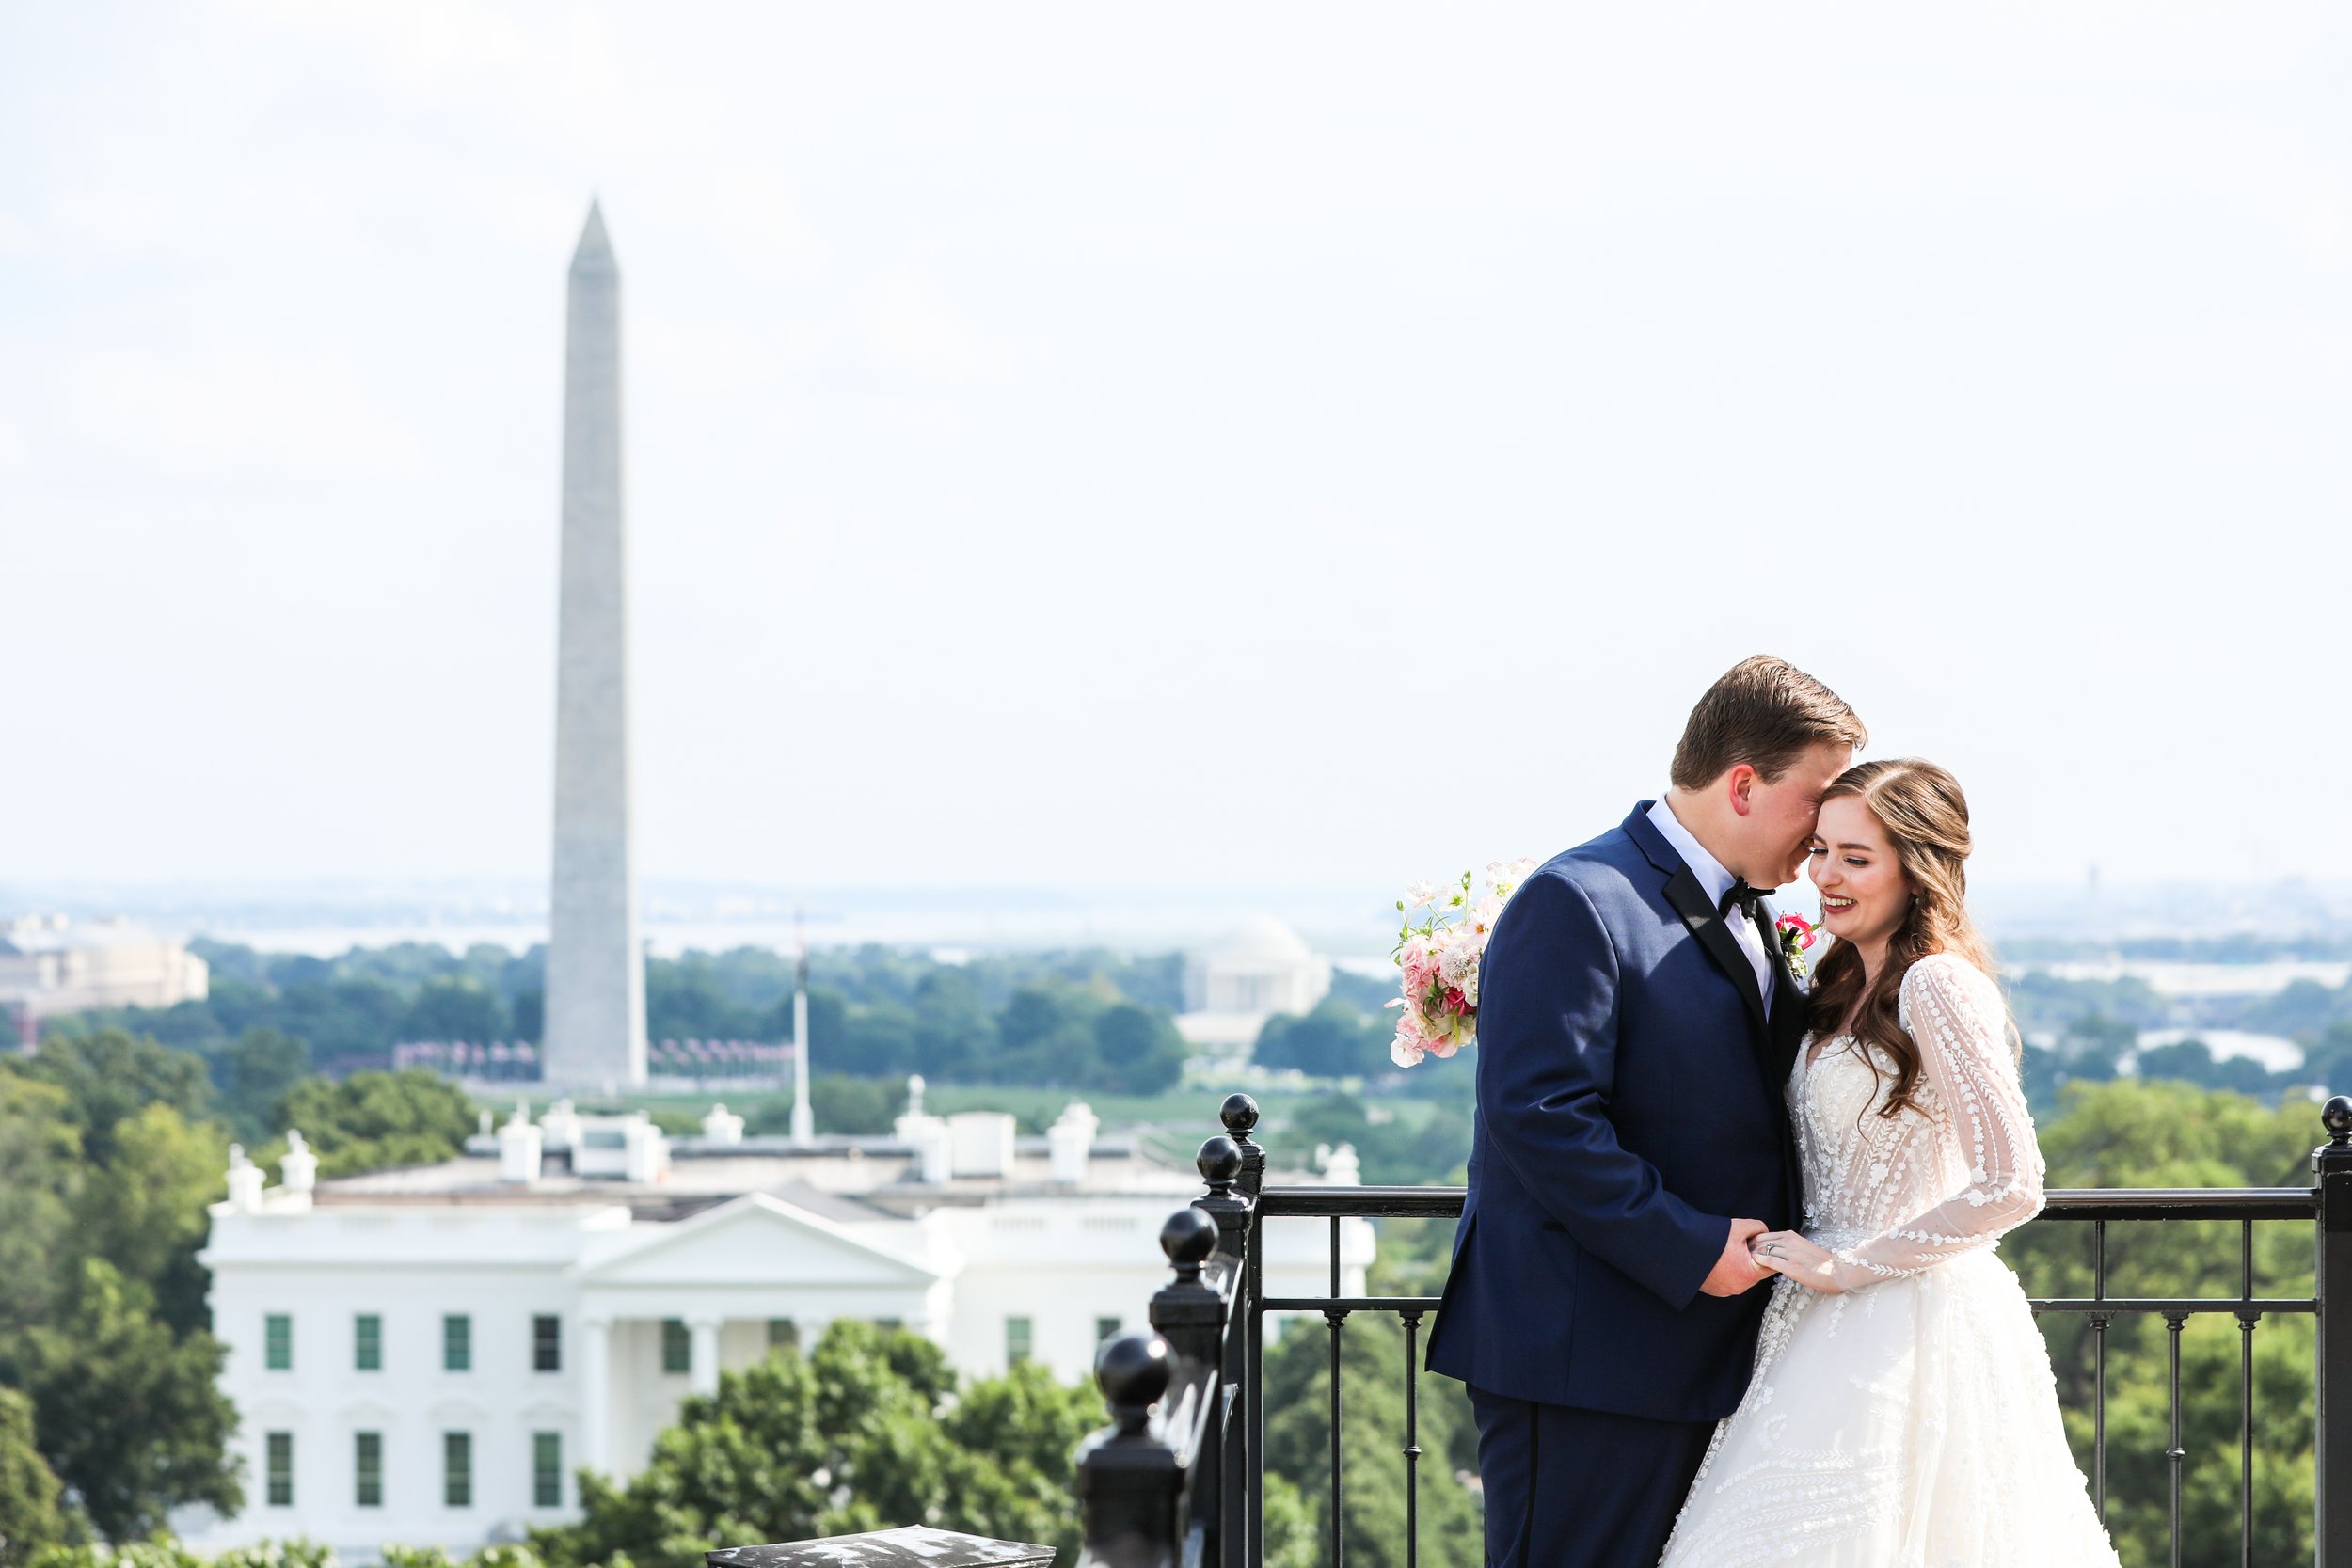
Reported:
(1746, 897)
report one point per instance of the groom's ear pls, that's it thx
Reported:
(1738, 787)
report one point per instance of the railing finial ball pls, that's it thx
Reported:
(1219, 1163)
(2336, 1116)
(1189, 1238)
(1133, 1371)
(1240, 1115)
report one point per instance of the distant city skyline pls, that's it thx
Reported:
(1348, 922)
(1066, 453)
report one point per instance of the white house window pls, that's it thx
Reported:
(281, 1450)
(783, 1333)
(367, 1342)
(677, 1346)
(367, 1454)
(458, 1469)
(1016, 1340)
(456, 1342)
(277, 1341)
(547, 1344)
(546, 1469)
(1105, 1328)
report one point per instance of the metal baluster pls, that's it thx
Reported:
(1253, 1394)
(2176, 1453)
(2246, 1319)
(1412, 1442)
(2099, 1369)
(1337, 1319)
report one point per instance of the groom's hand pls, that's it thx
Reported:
(1735, 1270)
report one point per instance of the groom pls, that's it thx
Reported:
(1636, 1021)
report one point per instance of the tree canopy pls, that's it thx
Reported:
(867, 1430)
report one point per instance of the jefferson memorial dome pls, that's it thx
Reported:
(1256, 970)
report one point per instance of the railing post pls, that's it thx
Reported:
(1245, 1457)
(1220, 1166)
(1129, 1481)
(1240, 1115)
(2332, 1434)
(1188, 1313)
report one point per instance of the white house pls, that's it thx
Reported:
(425, 1356)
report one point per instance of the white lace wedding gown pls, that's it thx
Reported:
(1910, 1422)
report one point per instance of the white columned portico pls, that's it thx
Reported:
(596, 1394)
(705, 1363)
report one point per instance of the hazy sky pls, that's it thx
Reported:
(1238, 444)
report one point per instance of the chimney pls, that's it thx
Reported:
(559, 1127)
(299, 1169)
(522, 1146)
(722, 1126)
(1070, 1140)
(645, 1153)
(982, 1142)
(912, 1117)
(244, 1181)
(933, 1151)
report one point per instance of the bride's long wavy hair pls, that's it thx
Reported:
(1926, 817)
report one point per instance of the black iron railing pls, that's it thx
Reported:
(1178, 1481)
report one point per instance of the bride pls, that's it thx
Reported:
(1902, 1414)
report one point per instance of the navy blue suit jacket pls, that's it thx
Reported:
(1628, 1108)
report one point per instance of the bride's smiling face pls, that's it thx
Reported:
(1865, 894)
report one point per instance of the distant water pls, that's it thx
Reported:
(2203, 979)
(2274, 1051)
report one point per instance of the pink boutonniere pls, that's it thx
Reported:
(1796, 935)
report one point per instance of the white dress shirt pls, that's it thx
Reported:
(1716, 881)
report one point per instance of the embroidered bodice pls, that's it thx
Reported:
(1894, 1195)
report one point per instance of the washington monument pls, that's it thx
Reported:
(595, 984)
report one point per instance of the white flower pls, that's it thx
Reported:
(1406, 1051)
(1421, 893)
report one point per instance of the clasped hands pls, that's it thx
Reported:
(1753, 1254)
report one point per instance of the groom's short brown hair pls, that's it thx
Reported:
(1765, 712)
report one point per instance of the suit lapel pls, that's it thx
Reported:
(1690, 902)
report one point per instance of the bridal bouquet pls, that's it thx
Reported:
(1438, 956)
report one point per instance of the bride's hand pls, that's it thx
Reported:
(1785, 1252)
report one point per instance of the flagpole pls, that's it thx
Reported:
(804, 1121)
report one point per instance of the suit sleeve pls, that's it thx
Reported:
(1547, 1068)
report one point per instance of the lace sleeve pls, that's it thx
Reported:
(1954, 1014)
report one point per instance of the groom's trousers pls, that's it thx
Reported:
(1569, 1488)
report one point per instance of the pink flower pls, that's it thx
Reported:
(1804, 929)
